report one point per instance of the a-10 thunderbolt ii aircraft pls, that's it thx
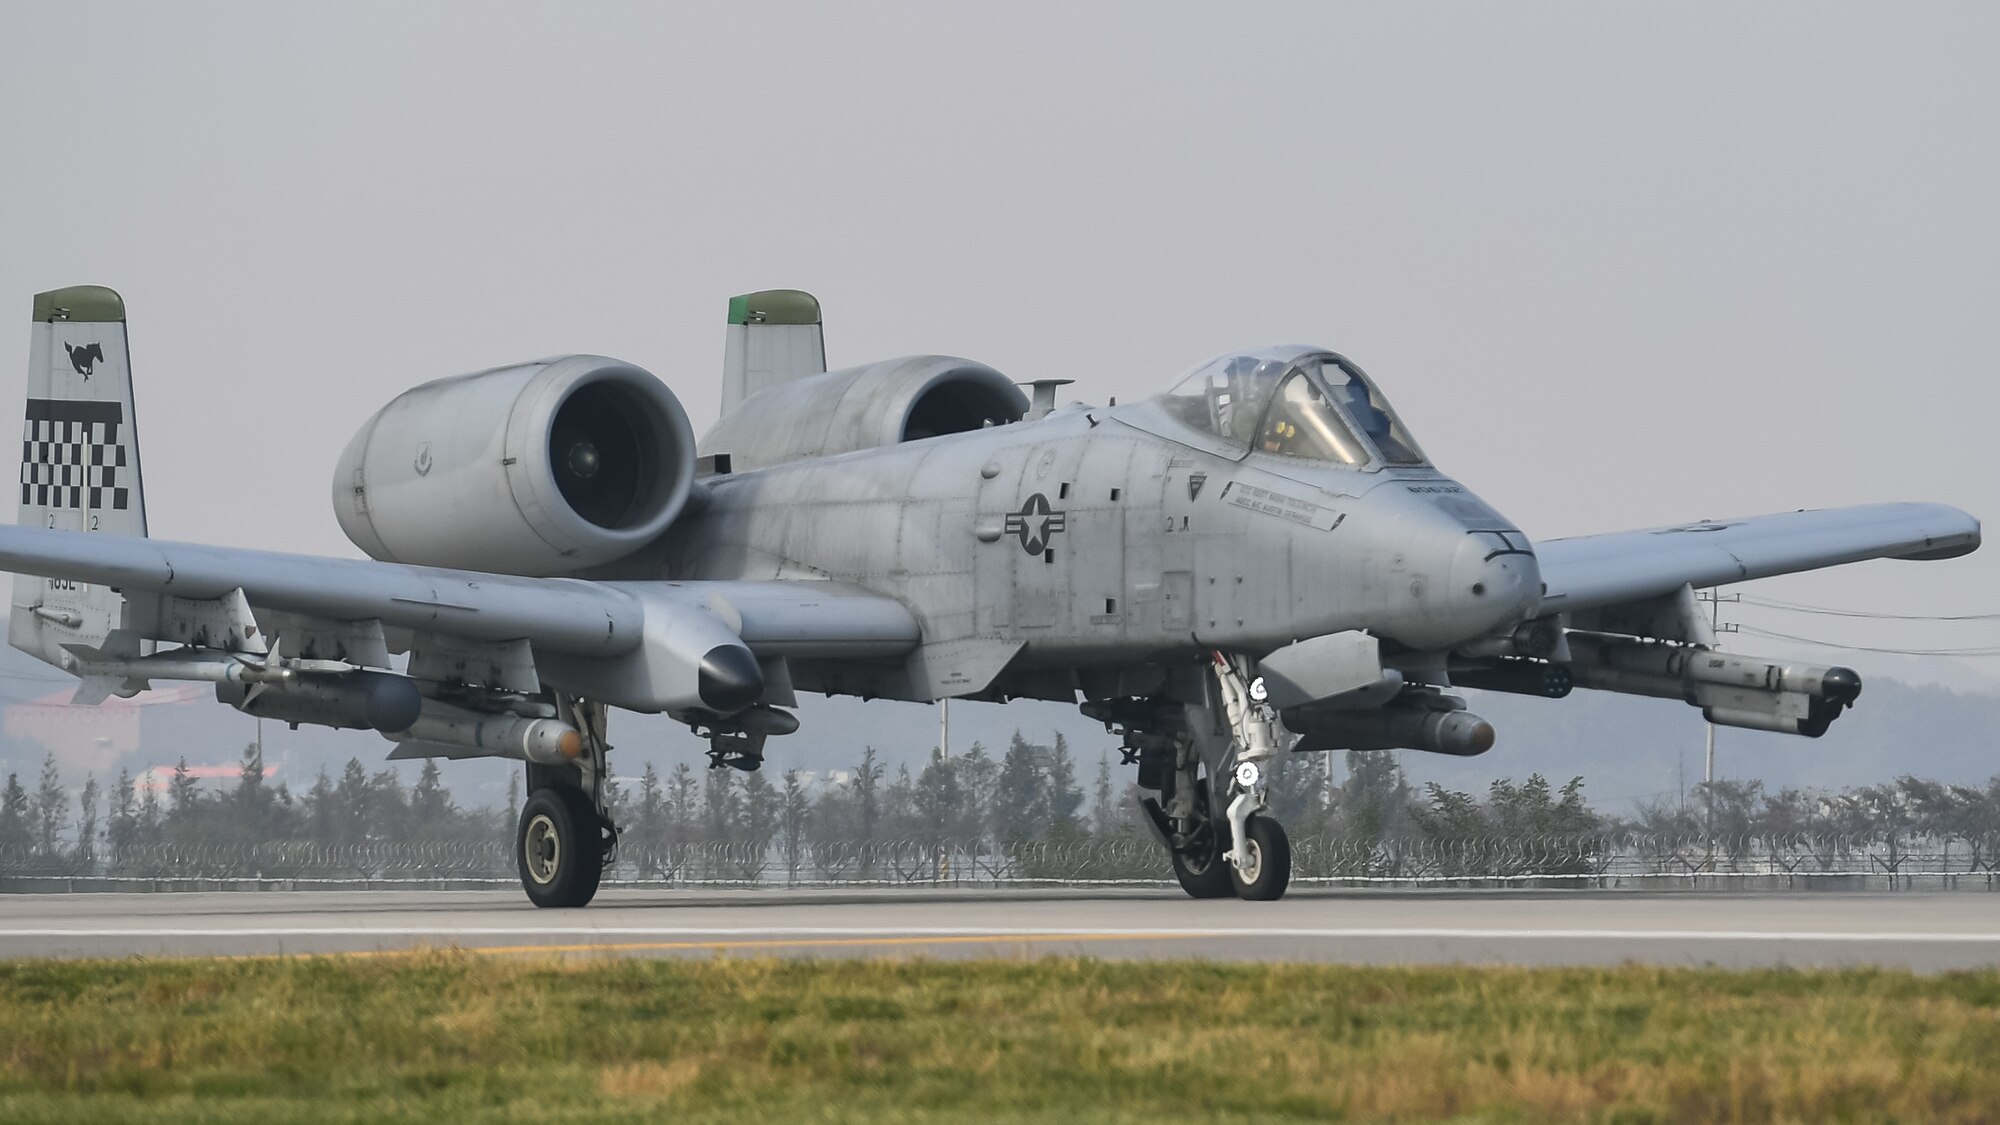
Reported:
(1259, 561)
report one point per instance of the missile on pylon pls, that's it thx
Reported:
(444, 731)
(357, 700)
(1731, 690)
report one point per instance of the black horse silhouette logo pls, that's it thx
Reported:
(85, 358)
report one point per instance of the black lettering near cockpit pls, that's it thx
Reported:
(1290, 508)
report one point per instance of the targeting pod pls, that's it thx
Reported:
(1458, 733)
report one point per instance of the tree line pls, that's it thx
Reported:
(357, 807)
(1030, 792)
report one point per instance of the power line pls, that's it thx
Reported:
(1775, 635)
(1830, 611)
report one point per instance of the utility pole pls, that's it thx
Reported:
(1714, 599)
(1328, 755)
(944, 727)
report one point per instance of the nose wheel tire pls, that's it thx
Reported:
(1265, 877)
(559, 846)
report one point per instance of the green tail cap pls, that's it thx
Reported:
(772, 306)
(86, 303)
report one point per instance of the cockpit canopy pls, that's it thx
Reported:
(1294, 402)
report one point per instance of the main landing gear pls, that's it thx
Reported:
(1206, 755)
(565, 838)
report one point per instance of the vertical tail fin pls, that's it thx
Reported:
(774, 337)
(79, 461)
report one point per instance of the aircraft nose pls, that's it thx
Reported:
(1459, 572)
(1495, 581)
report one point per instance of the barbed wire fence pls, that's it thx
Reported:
(1598, 860)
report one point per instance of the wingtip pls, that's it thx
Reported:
(1958, 535)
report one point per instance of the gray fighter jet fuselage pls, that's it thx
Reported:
(1099, 535)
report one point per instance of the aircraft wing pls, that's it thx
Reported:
(776, 618)
(627, 643)
(1591, 571)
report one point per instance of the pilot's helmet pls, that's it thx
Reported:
(1268, 376)
(1238, 366)
(1271, 370)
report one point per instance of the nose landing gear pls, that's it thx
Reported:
(1221, 841)
(1267, 870)
(1206, 859)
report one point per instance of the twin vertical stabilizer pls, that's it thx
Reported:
(79, 462)
(774, 337)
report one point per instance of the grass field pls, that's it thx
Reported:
(444, 1036)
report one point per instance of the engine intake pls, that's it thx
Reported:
(543, 468)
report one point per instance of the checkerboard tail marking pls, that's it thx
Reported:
(75, 455)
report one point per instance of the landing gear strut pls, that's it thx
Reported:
(1207, 758)
(565, 838)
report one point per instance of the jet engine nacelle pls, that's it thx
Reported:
(867, 407)
(540, 469)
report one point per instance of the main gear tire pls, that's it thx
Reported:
(559, 846)
(1201, 870)
(1203, 877)
(1269, 871)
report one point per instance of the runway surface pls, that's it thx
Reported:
(1911, 929)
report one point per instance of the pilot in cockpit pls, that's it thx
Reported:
(1359, 399)
(1294, 403)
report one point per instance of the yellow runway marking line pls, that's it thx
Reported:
(727, 945)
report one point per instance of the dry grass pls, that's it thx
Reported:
(471, 1039)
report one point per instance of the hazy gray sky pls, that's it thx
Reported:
(1617, 265)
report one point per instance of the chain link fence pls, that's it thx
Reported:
(1611, 860)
